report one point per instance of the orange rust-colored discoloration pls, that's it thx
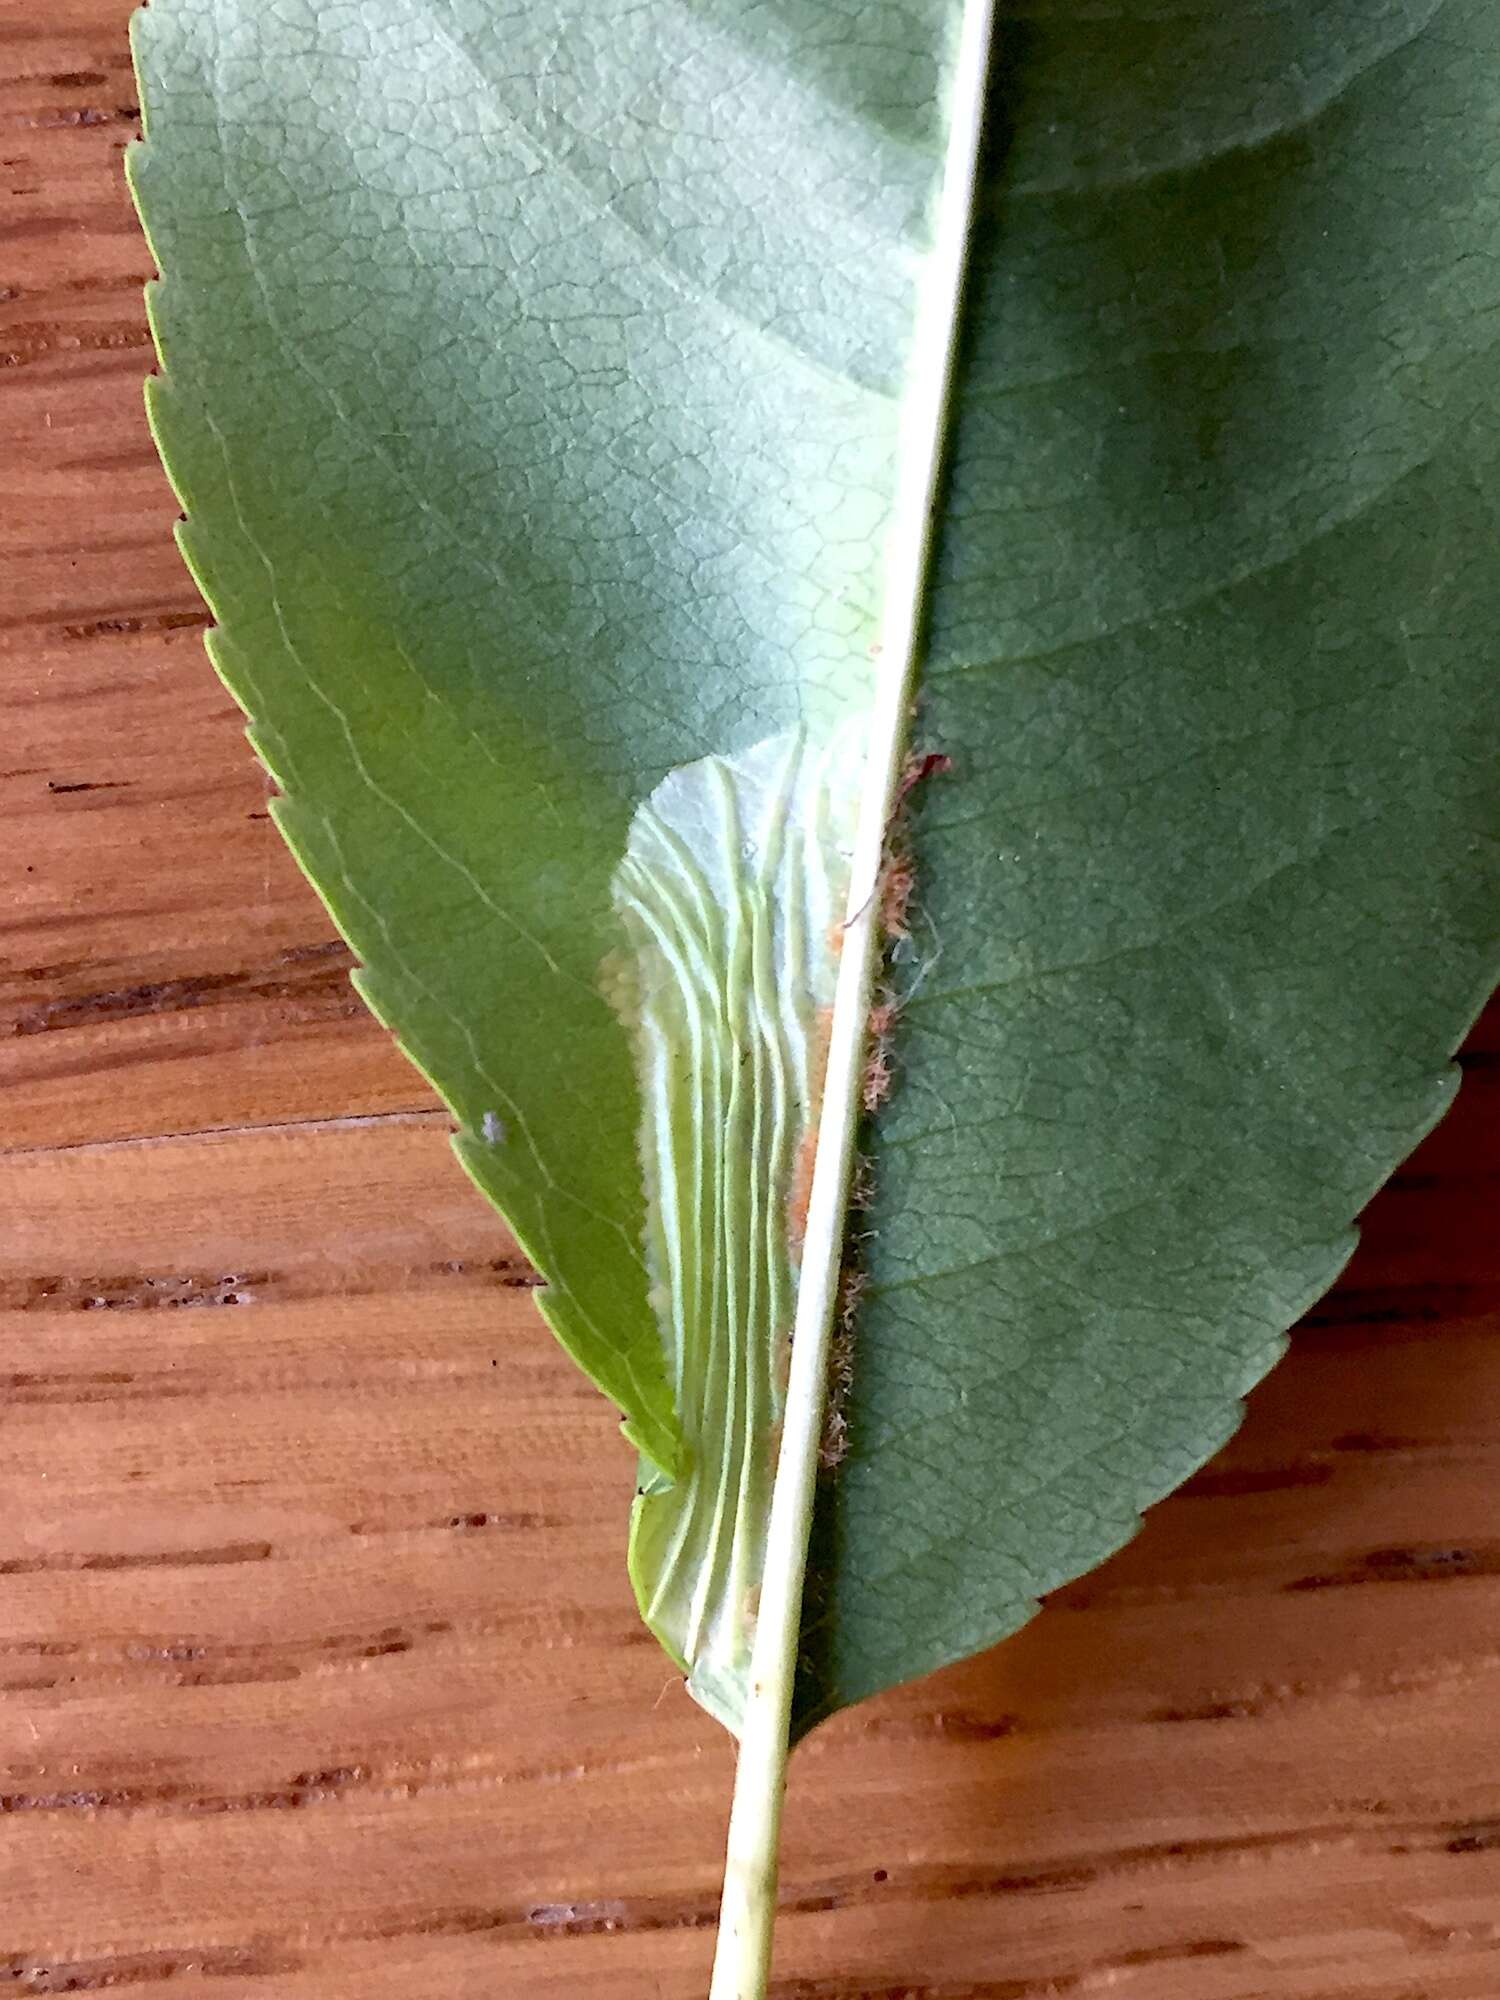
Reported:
(879, 1025)
(835, 1440)
(921, 764)
(807, 1150)
(833, 1447)
(898, 877)
(896, 888)
(898, 881)
(801, 1192)
(877, 1084)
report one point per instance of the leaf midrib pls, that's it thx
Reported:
(742, 1961)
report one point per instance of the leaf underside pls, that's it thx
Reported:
(531, 378)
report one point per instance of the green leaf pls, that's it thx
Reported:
(534, 380)
(1213, 889)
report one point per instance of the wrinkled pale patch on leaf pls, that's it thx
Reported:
(731, 894)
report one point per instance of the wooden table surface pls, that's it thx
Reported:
(319, 1675)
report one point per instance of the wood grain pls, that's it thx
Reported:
(318, 1670)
